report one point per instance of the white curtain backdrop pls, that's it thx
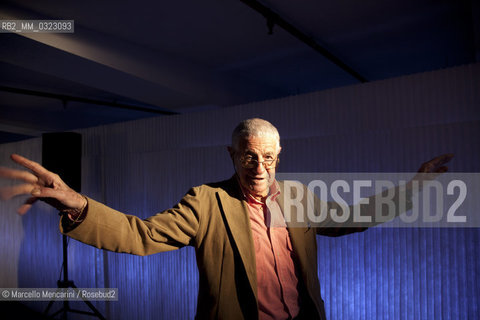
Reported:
(145, 166)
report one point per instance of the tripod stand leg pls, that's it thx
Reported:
(95, 311)
(48, 306)
(91, 306)
(66, 283)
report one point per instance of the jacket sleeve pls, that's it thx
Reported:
(363, 216)
(106, 228)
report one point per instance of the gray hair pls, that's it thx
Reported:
(254, 127)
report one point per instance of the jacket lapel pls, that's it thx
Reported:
(238, 222)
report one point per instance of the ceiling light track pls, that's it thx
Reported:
(274, 19)
(66, 98)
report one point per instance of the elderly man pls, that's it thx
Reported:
(247, 269)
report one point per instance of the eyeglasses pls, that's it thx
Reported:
(249, 162)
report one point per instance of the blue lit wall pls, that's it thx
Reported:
(146, 166)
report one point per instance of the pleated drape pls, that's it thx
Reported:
(145, 166)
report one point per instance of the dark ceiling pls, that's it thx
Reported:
(132, 59)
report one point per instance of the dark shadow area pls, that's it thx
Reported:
(17, 310)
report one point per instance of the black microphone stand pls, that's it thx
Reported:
(66, 283)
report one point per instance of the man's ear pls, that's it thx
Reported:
(231, 152)
(232, 156)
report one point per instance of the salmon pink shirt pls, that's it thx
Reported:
(277, 280)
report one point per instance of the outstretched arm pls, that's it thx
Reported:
(429, 170)
(101, 226)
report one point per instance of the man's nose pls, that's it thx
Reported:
(260, 167)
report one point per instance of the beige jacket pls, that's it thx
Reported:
(214, 220)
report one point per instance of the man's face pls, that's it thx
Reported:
(257, 180)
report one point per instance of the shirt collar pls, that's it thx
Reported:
(273, 193)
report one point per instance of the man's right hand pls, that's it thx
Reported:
(40, 184)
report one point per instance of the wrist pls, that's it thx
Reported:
(76, 214)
